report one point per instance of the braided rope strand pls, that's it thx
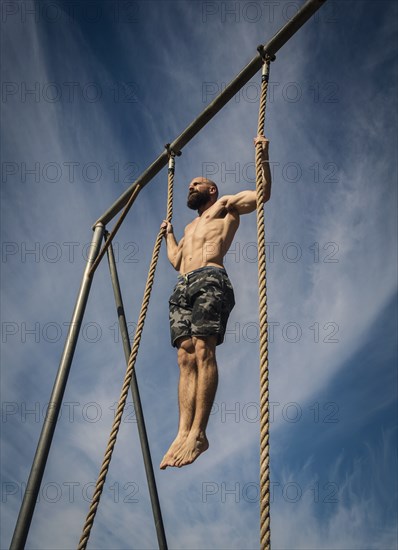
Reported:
(265, 532)
(130, 368)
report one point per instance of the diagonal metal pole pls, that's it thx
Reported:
(50, 421)
(306, 11)
(157, 514)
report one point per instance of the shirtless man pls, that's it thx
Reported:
(201, 303)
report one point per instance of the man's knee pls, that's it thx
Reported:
(186, 353)
(205, 348)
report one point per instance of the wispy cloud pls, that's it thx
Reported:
(330, 202)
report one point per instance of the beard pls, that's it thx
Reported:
(196, 199)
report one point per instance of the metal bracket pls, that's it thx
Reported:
(264, 54)
(171, 151)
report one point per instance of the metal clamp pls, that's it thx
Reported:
(172, 154)
(266, 56)
(171, 151)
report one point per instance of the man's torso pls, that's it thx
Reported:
(207, 238)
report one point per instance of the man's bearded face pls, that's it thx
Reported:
(197, 198)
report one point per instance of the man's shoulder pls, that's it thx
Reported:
(221, 210)
(224, 199)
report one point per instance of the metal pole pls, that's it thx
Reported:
(157, 514)
(279, 39)
(50, 421)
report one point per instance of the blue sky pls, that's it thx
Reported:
(91, 93)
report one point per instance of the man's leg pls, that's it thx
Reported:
(186, 398)
(206, 387)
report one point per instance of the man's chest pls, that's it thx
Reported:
(202, 227)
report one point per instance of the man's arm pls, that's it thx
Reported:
(174, 249)
(245, 201)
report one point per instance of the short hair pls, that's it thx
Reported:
(203, 179)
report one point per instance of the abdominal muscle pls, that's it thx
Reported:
(206, 243)
(201, 256)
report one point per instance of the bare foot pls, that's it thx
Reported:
(171, 455)
(194, 445)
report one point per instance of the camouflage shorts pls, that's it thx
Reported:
(201, 303)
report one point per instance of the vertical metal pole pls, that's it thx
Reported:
(146, 453)
(50, 421)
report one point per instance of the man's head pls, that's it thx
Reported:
(202, 192)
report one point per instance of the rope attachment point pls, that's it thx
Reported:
(267, 59)
(172, 154)
(266, 56)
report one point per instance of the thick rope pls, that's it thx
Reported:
(265, 532)
(130, 366)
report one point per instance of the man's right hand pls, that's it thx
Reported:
(167, 227)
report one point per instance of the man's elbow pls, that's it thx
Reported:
(175, 266)
(172, 260)
(177, 263)
(267, 195)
